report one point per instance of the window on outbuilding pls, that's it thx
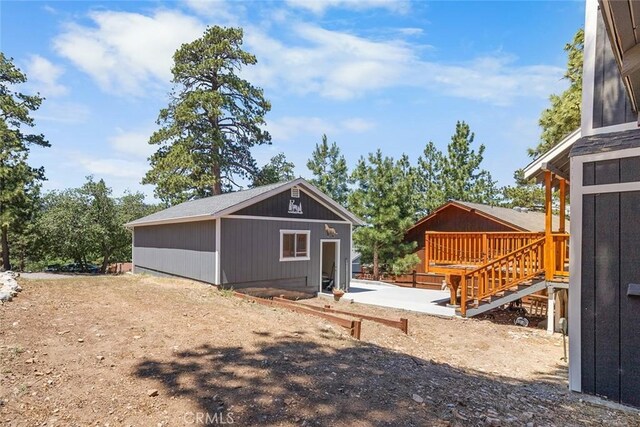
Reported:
(294, 245)
(295, 192)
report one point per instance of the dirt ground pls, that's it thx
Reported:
(143, 351)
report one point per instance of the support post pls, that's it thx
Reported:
(413, 279)
(551, 309)
(548, 243)
(485, 248)
(563, 201)
(453, 282)
(427, 253)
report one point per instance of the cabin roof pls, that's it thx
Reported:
(520, 220)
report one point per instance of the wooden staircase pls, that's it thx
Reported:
(507, 278)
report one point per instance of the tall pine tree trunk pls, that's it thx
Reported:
(6, 263)
(217, 185)
(215, 170)
(376, 268)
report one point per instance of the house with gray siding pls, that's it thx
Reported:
(287, 236)
(602, 163)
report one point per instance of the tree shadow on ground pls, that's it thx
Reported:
(291, 380)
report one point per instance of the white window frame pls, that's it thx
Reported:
(295, 240)
(295, 192)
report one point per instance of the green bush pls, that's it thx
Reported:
(406, 264)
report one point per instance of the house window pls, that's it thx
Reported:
(295, 192)
(294, 245)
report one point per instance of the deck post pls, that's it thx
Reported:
(549, 267)
(563, 196)
(551, 309)
(427, 253)
(485, 248)
(453, 282)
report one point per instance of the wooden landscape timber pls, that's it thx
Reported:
(402, 324)
(354, 326)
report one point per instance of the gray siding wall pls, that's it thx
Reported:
(610, 102)
(250, 251)
(610, 258)
(184, 249)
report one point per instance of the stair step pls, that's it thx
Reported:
(494, 301)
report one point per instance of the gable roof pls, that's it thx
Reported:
(216, 206)
(520, 220)
(556, 159)
(601, 143)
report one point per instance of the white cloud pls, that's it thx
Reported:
(130, 53)
(121, 175)
(132, 143)
(332, 64)
(222, 11)
(321, 6)
(63, 112)
(43, 76)
(125, 52)
(289, 128)
(411, 31)
(358, 125)
(338, 65)
(110, 167)
(492, 79)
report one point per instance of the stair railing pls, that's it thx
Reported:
(502, 273)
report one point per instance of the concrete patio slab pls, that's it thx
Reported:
(387, 295)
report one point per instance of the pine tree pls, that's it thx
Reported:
(277, 170)
(381, 200)
(329, 169)
(563, 116)
(429, 180)
(212, 122)
(18, 180)
(456, 175)
(462, 177)
(524, 194)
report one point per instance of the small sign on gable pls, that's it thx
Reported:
(295, 208)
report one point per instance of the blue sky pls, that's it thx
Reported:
(370, 74)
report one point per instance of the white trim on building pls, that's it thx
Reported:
(575, 271)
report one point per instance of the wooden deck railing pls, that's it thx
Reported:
(472, 248)
(561, 251)
(502, 273)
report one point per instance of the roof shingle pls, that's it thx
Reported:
(206, 206)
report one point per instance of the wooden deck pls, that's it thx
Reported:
(530, 258)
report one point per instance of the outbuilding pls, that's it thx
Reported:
(288, 236)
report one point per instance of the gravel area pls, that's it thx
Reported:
(142, 351)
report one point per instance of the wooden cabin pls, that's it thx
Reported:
(455, 233)
(490, 256)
